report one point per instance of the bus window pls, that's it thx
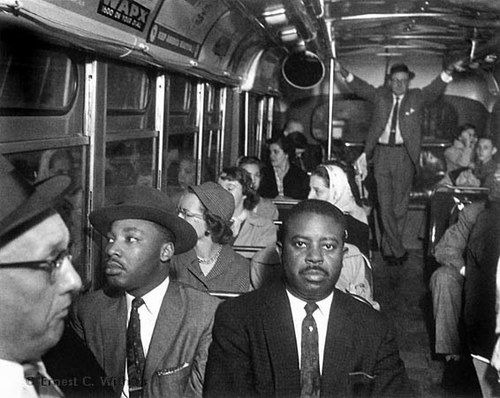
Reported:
(179, 165)
(130, 162)
(128, 89)
(35, 81)
(37, 166)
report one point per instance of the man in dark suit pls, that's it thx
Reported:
(393, 143)
(300, 336)
(149, 333)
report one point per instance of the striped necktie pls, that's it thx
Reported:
(394, 123)
(135, 352)
(310, 378)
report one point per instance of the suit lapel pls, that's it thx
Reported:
(113, 329)
(278, 328)
(167, 325)
(339, 344)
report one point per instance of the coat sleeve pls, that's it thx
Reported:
(228, 373)
(390, 379)
(450, 249)
(194, 387)
(432, 91)
(362, 89)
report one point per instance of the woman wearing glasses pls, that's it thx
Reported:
(212, 265)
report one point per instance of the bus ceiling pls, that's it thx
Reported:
(222, 40)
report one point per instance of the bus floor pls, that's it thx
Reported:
(404, 296)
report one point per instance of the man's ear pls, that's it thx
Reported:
(494, 150)
(167, 251)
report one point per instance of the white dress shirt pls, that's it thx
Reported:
(12, 381)
(384, 138)
(321, 316)
(148, 314)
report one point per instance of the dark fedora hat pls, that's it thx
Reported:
(21, 202)
(144, 203)
(401, 68)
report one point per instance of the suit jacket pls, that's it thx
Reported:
(410, 112)
(482, 253)
(182, 335)
(295, 183)
(254, 351)
(231, 272)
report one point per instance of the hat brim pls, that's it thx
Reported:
(185, 235)
(43, 198)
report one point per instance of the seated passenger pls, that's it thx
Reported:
(282, 178)
(446, 285)
(212, 265)
(485, 166)
(249, 229)
(482, 258)
(300, 336)
(335, 183)
(307, 156)
(266, 267)
(461, 153)
(264, 207)
(163, 350)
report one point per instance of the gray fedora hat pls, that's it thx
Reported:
(144, 203)
(21, 202)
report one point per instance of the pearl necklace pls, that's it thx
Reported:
(212, 259)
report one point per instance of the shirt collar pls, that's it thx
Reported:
(152, 299)
(323, 305)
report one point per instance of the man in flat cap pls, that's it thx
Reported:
(37, 281)
(393, 143)
(149, 333)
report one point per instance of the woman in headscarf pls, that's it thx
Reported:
(335, 183)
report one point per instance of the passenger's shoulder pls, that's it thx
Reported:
(364, 312)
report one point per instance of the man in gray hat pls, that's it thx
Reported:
(149, 333)
(393, 143)
(37, 281)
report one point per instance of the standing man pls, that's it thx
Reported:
(300, 336)
(37, 281)
(149, 333)
(393, 143)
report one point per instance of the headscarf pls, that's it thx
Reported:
(340, 193)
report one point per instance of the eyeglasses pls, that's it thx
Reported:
(50, 266)
(400, 81)
(186, 213)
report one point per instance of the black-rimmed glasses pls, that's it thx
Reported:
(50, 266)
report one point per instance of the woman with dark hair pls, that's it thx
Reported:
(212, 265)
(265, 207)
(281, 177)
(334, 182)
(249, 229)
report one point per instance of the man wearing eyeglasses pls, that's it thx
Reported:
(393, 144)
(149, 333)
(37, 281)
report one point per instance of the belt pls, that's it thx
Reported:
(389, 145)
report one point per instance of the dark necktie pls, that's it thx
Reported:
(43, 384)
(135, 352)
(394, 123)
(309, 361)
